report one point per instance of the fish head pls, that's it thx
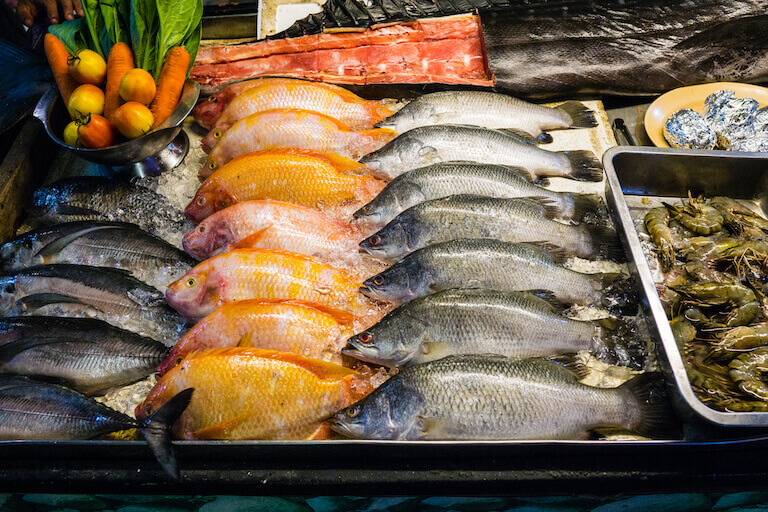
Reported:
(211, 138)
(390, 342)
(371, 212)
(404, 153)
(18, 253)
(211, 237)
(194, 295)
(207, 112)
(208, 200)
(400, 283)
(43, 202)
(165, 389)
(7, 293)
(389, 243)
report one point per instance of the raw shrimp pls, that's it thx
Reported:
(746, 371)
(741, 299)
(736, 216)
(657, 224)
(740, 339)
(697, 216)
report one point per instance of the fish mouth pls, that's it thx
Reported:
(342, 428)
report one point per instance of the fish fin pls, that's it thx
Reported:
(587, 208)
(68, 209)
(220, 429)
(246, 341)
(542, 182)
(59, 244)
(251, 240)
(520, 135)
(428, 153)
(523, 173)
(584, 166)
(323, 432)
(39, 300)
(321, 369)
(581, 116)
(557, 253)
(430, 428)
(550, 209)
(548, 299)
(570, 362)
(605, 242)
(342, 317)
(340, 163)
(146, 298)
(290, 254)
(156, 430)
(657, 419)
(13, 348)
(436, 349)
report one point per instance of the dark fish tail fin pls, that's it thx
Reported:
(605, 242)
(584, 165)
(618, 344)
(586, 208)
(157, 431)
(620, 296)
(649, 396)
(581, 116)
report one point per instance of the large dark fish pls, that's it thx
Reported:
(40, 411)
(108, 294)
(95, 198)
(99, 244)
(495, 397)
(89, 355)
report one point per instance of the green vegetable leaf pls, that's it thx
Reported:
(144, 24)
(73, 33)
(99, 39)
(179, 20)
(116, 15)
(192, 42)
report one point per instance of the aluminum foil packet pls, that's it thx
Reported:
(755, 144)
(761, 122)
(732, 118)
(688, 129)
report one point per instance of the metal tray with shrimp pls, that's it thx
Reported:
(639, 179)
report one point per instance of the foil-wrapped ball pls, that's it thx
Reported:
(688, 129)
(732, 118)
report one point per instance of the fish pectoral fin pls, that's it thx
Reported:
(220, 429)
(430, 428)
(323, 432)
(39, 300)
(252, 239)
(59, 244)
(520, 134)
(435, 349)
(547, 299)
(146, 298)
(11, 349)
(428, 153)
(69, 209)
(246, 341)
(571, 364)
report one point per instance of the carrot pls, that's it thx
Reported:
(119, 62)
(58, 56)
(169, 85)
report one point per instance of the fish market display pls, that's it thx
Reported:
(489, 110)
(246, 393)
(495, 397)
(104, 199)
(303, 328)
(308, 178)
(451, 178)
(107, 294)
(456, 322)
(293, 128)
(332, 101)
(434, 144)
(99, 244)
(635, 47)
(487, 264)
(507, 220)
(89, 355)
(262, 274)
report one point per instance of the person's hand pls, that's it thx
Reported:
(56, 10)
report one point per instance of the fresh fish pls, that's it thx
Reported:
(434, 144)
(303, 328)
(489, 110)
(248, 393)
(494, 397)
(89, 355)
(107, 294)
(332, 101)
(508, 220)
(488, 264)
(451, 178)
(98, 244)
(96, 198)
(36, 410)
(262, 274)
(317, 180)
(293, 128)
(455, 322)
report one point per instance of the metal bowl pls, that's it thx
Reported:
(161, 149)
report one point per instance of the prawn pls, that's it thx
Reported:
(741, 299)
(746, 371)
(736, 216)
(740, 339)
(697, 216)
(657, 224)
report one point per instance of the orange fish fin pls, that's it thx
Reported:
(341, 163)
(246, 341)
(341, 317)
(323, 432)
(289, 254)
(251, 239)
(321, 369)
(220, 429)
(384, 135)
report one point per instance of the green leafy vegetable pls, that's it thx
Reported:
(73, 34)
(117, 17)
(99, 39)
(178, 19)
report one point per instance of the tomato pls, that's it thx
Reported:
(70, 135)
(137, 85)
(96, 132)
(133, 119)
(87, 67)
(86, 99)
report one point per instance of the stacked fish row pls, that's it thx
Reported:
(279, 292)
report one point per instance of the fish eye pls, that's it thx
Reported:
(378, 280)
(353, 411)
(191, 281)
(201, 229)
(212, 165)
(178, 360)
(217, 134)
(374, 240)
(148, 409)
(201, 201)
(9, 288)
(367, 208)
(27, 244)
(364, 337)
(212, 99)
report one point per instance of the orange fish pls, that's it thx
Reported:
(293, 128)
(250, 393)
(263, 274)
(308, 178)
(303, 328)
(332, 101)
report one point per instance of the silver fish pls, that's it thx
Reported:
(494, 397)
(455, 322)
(508, 220)
(488, 264)
(108, 294)
(91, 356)
(100, 244)
(451, 178)
(489, 110)
(434, 144)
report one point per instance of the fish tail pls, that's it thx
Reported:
(618, 344)
(581, 116)
(157, 431)
(649, 397)
(604, 243)
(585, 208)
(584, 166)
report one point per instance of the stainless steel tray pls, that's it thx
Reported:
(672, 173)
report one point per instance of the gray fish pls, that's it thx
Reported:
(434, 144)
(507, 220)
(41, 411)
(451, 178)
(99, 244)
(488, 264)
(489, 110)
(108, 294)
(89, 355)
(455, 322)
(95, 198)
(494, 397)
